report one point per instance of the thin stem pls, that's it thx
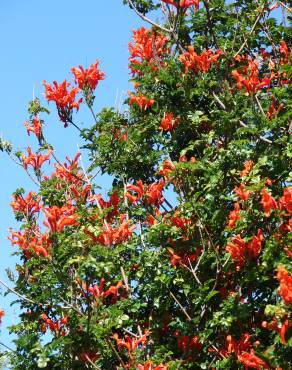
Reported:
(146, 19)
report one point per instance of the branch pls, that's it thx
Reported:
(242, 124)
(250, 33)
(181, 307)
(146, 19)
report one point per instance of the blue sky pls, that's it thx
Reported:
(42, 40)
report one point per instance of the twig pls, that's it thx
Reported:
(146, 19)
(181, 307)
(128, 289)
(260, 106)
(116, 353)
(250, 33)
(242, 124)
(91, 362)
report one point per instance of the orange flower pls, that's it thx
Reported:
(286, 201)
(284, 53)
(64, 99)
(199, 63)
(148, 47)
(35, 160)
(241, 193)
(248, 165)
(154, 193)
(36, 127)
(249, 359)
(233, 216)
(240, 250)
(249, 78)
(285, 280)
(268, 202)
(28, 205)
(88, 77)
(131, 343)
(281, 329)
(184, 4)
(167, 167)
(59, 217)
(149, 366)
(168, 123)
(139, 189)
(142, 102)
(2, 313)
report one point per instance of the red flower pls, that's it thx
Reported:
(148, 47)
(131, 343)
(281, 329)
(286, 201)
(248, 165)
(199, 63)
(88, 77)
(142, 102)
(268, 202)
(249, 78)
(183, 3)
(139, 189)
(59, 217)
(35, 160)
(240, 250)
(149, 366)
(2, 313)
(242, 193)
(250, 360)
(285, 280)
(28, 205)
(64, 99)
(36, 127)
(154, 193)
(284, 53)
(168, 122)
(167, 168)
(233, 216)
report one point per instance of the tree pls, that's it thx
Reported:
(139, 281)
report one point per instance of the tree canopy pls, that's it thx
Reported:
(186, 264)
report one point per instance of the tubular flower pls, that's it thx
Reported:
(249, 78)
(280, 328)
(150, 366)
(285, 280)
(31, 242)
(199, 63)
(284, 51)
(88, 77)
(2, 313)
(240, 250)
(167, 168)
(141, 101)
(233, 216)
(268, 202)
(273, 111)
(113, 235)
(248, 165)
(138, 189)
(154, 193)
(242, 193)
(59, 217)
(285, 201)
(35, 160)
(28, 205)
(64, 99)
(58, 327)
(168, 122)
(250, 360)
(148, 47)
(131, 343)
(114, 291)
(35, 127)
(184, 4)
